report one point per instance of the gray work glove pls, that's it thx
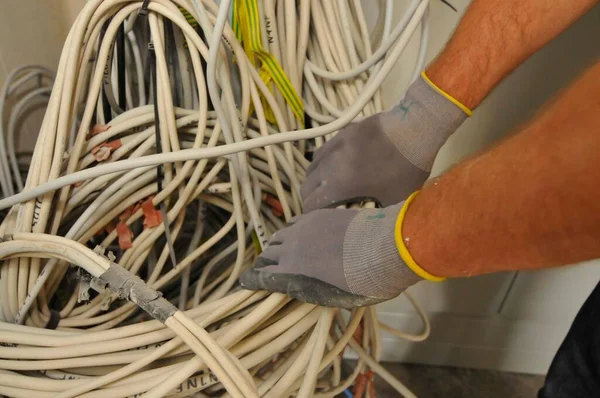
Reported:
(335, 257)
(387, 156)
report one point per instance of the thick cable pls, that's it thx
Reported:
(243, 168)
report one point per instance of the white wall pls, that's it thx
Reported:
(491, 321)
(31, 32)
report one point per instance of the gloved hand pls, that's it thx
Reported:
(338, 258)
(387, 156)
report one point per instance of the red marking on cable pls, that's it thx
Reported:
(114, 144)
(102, 151)
(275, 204)
(359, 386)
(125, 236)
(152, 216)
(371, 384)
(97, 129)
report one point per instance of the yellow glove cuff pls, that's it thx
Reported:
(403, 250)
(448, 96)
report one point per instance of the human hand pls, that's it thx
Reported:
(337, 258)
(387, 156)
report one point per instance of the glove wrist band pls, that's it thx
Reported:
(450, 98)
(403, 250)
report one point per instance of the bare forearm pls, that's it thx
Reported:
(493, 38)
(531, 202)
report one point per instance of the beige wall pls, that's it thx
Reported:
(31, 32)
(70, 9)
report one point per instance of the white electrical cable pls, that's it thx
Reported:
(228, 180)
(223, 150)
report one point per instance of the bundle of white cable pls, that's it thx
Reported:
(64, 332)
(25, 88)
